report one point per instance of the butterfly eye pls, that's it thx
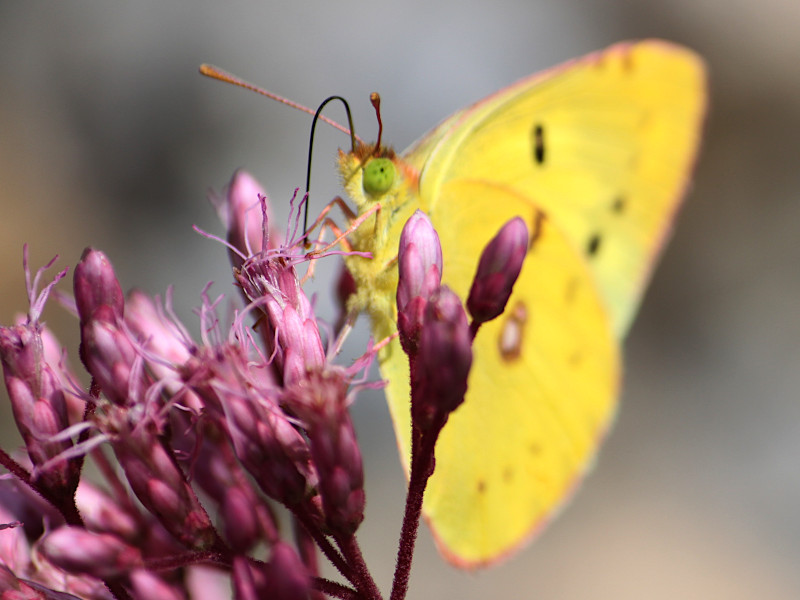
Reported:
(378, 176)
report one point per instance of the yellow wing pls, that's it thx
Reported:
(603, 145)
(594, 156)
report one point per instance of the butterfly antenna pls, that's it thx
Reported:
(375, 98)
(318, 117)
(220, 75)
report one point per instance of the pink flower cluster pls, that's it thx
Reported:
(208, 435)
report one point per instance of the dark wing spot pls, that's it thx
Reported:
(593, 246)
(481, 486)
(619, 205)
(534, 448)
(508, 474)
(538, 144)
(536, 229)
(575, 359)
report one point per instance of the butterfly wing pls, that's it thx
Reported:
(540, 393)
(603, 145)
(594, 155)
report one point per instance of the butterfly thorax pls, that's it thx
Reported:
(386, 181)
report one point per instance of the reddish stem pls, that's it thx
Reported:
(327, 548)
(333, 589)
(421, 460)
(352, 552)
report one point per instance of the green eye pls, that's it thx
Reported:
(378, 176)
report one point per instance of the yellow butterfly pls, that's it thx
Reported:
(595, 155)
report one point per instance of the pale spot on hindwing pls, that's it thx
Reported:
(513, 332)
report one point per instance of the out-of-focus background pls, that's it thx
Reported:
(110, 138)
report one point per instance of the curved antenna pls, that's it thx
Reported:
(318, 116)
(375, 99)
(221, 75)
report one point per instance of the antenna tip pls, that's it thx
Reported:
(375, 98)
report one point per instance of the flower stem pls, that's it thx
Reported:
(324, 545)
(421, 459)
(364, 581)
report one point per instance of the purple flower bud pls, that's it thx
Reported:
(239, 519)
(37, 399)
(100, 555)
(160, 486)
(157, 334)
(419, 275)
(320, 402)
(246, 518)
(109, 355)
(270, 448)
(95, 284)
(249, 582)
(286, 574)
(13, 588)
(147, 584)
(57, 361)
(418, 254)
(498, 269)
(290, 321)
(103, 515)
(439, 376)
(246, 220)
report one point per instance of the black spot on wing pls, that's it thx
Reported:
(535, 229)
(619, 205)
(593, 245)
(538, 144)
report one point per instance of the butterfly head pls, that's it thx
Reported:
(371, 176)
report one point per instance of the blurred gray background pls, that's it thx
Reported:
(110, 138)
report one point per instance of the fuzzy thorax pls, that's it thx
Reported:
(376, 277)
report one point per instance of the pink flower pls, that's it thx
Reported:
(498, 269)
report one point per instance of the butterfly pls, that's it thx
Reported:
(595, 155)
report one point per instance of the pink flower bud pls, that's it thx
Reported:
(160, 486)
(286, 574)
(57, 361)
(109, 355)
(239, 519)
(37, 399)
(249, 582)
(95, 284)
(419, 253)
(289, 317)
(157, 334)
(147, 584)
(245, 218)
(498, 269)
(320, 401)
(100, 555)
(13, 588)
(103, 515)
(419, 275)
(439, 376)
